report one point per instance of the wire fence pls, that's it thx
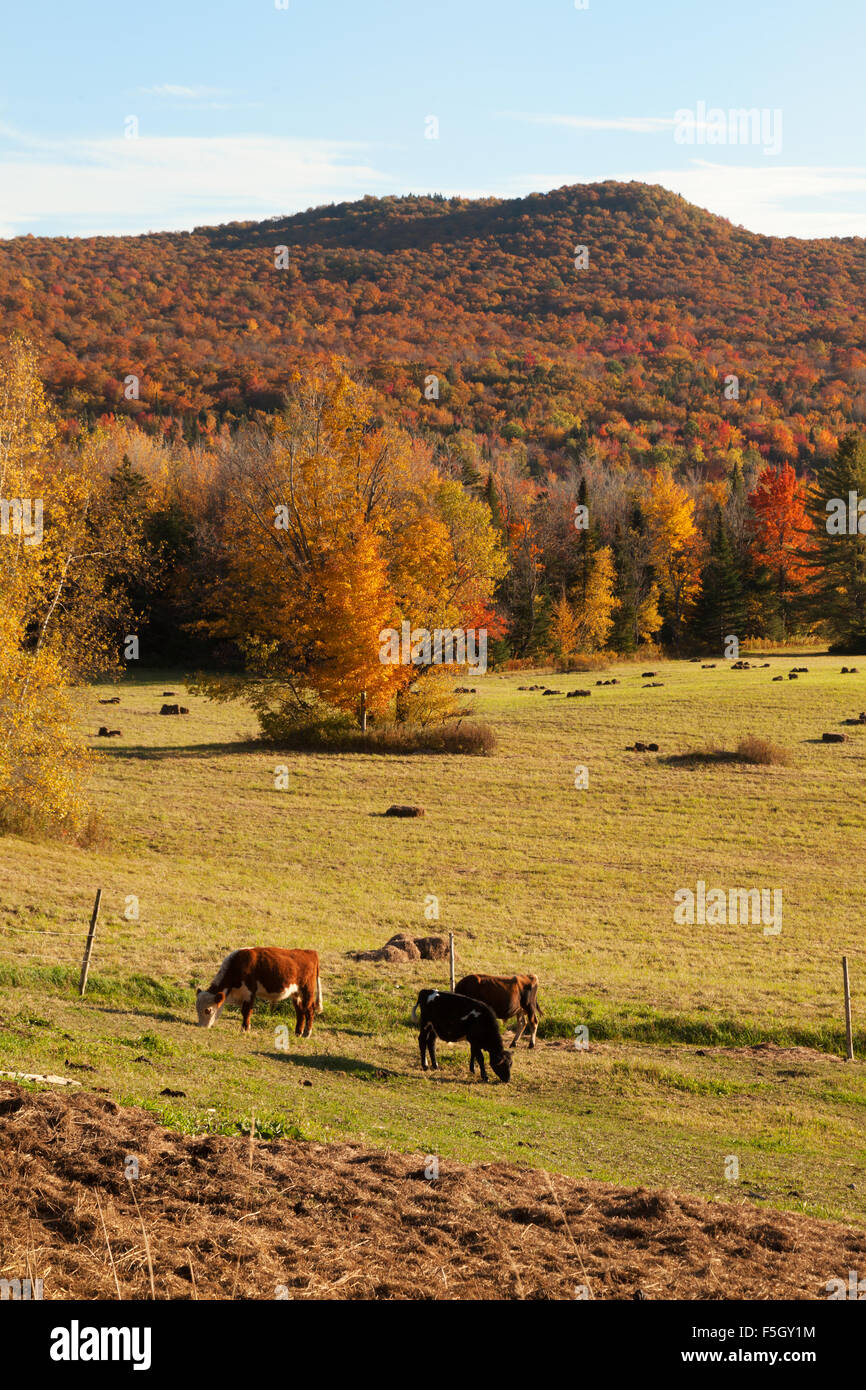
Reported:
(16, 942)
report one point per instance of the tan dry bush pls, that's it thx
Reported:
(758, 752)
(582, 663)
(752, 749)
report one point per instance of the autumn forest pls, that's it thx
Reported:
(594, 420)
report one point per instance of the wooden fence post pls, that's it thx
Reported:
(85, 964)
(849, 1036)
(451, 955)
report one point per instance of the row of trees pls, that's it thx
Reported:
(617, 558)
(274, 556)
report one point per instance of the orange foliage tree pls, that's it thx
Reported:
(781, 528)
(335, 528)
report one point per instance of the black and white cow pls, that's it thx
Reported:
(452, 1017)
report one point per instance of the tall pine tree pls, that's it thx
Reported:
(721, 609)
(838, 598)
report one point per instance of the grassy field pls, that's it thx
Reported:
(529, 872)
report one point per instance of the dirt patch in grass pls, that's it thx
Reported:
(227, 1218)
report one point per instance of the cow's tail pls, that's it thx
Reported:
(414, 1013)
(533, 995)
(318, 993)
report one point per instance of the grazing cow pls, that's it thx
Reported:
(452, 1017)
(264, 972)
(509, 996)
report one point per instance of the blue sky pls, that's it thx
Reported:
(247, 110)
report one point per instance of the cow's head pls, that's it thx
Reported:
(502, 1066)
(208, 1006)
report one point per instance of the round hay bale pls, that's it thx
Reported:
(404, 943)
(432, 947)
(393, 955)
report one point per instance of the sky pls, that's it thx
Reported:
(170, 114)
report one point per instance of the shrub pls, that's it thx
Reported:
(760, 750)
(582, 663)
(317, 736)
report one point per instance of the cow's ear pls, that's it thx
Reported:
(197, 993)
(219, 996)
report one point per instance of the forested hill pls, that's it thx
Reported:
(629, 352)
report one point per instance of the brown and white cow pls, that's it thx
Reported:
(509, 996)
(264, 972)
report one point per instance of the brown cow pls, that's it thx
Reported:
(265, 972)
(508, 996)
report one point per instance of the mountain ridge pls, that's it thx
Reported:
(485, 295)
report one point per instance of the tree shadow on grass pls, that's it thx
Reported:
(141, 752)
(706, 757)
(332, 1062)
(751, 753)
(785, 655)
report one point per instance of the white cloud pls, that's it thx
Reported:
(162, 183)
(174, 182)
(769, 198)
(167, 89)
(634, 125)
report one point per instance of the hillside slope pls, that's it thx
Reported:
(631, 351)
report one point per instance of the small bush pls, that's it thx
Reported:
(783, 645)
(757, 751)
(760, 750)
(582, 663)
(470, 739)
(524, 663)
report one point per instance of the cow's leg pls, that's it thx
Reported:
(310, 1015)
(246, 1012)
(521, 1020)
(427, 1043)
(481, 1065)
(534, 1023)
(302, 1011)
(299, 1016)
(472, 1058)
